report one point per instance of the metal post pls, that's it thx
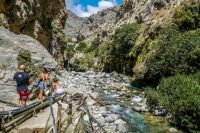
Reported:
(52, 114)
(1, 124)
(70, 113)
(59, 117)
(90, 118)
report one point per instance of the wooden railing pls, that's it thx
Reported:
(74, 112)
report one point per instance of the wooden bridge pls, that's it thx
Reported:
(71, 109)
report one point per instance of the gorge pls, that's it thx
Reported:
(155, 43)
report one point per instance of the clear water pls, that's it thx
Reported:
(137, 122)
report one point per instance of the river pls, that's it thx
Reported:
(110, 89)
(143, 122)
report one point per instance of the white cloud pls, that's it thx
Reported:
(105, 4)
(89, 10)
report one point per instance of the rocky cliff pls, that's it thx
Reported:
(41, 19)
(87, 28)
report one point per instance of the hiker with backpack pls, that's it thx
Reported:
(22, 79)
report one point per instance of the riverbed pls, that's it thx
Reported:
(112, 89)
(138, 122)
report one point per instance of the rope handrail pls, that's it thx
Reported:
(81, 109)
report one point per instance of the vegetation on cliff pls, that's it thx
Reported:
(176, 61)
(24, 58)
(115, 53)
(169, 60)
(177, 52)
(180, 95)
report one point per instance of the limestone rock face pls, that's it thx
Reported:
(73, 25)
(10, 45)
(41, 19)
(90, 27)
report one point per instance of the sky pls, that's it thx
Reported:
(85, 8)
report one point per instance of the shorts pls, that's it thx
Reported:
(41, 86)
(23, 95)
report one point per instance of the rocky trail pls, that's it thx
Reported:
(80, 104)
(96, 102)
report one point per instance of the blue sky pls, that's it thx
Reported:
(85, 8)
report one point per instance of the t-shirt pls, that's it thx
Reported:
(22, 79)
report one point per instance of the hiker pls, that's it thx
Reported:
(23, 81)
(43, 83)
(56, 86)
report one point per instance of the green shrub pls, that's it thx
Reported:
(24, 58)
(70, 50)
(176, 53)
(116, 54)
(81, 46)
(154, 98)
(188, 17)
(94, 45)
(124, 39)
(84, 63)
(181, 96)
(175, 49)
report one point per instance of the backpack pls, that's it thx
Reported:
(22, 80)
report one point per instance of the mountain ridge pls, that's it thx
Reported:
(82, 28)
(130, 11)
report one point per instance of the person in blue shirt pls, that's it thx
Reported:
(23, 80)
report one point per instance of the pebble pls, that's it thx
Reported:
(86, 118)
(111, 118)
(105, 114)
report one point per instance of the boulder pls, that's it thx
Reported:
(105, 113)
(160, 111)
(10, 45)
(141, 107)
(173, 130)
(121, 126)
(111, 118)
(136, 99)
